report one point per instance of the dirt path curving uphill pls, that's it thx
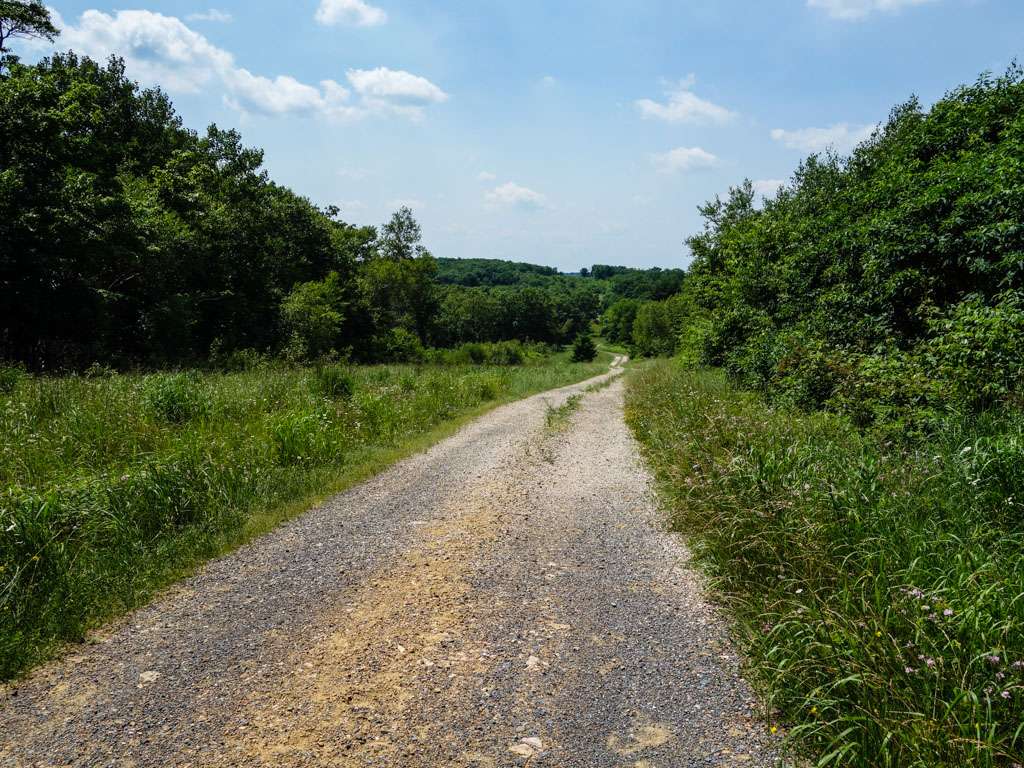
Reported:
(507, 598)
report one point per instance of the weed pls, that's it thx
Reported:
(174, 398)
(333, 382)
(557, 417)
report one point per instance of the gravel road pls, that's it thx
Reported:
(507, 598)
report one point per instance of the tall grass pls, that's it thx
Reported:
(879, 590)
(115, 485)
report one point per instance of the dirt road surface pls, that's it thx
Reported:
(507, 598)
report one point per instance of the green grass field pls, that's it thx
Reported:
(879, 590)
(115, 486)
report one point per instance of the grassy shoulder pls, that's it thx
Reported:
(115, 486)
(879, 590)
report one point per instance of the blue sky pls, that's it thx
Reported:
(564, 133)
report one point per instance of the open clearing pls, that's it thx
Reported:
(508, 597)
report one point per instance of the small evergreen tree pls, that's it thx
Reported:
(583, 349)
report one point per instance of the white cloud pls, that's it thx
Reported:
(161, 50)
(158, 49)
(514, 195)
(394, 84)
(486, 176)
(354, 12)
(851, 10)
(682, 105)
(548, 81)
(286, 95)
(211, 15)
(684, 159)
(841, 137)
(767, 187)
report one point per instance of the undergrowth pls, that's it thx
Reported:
(879, 589)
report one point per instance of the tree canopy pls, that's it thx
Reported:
(25, 20)
(864, 282)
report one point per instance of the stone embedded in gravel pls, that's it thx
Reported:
(149, 676)
(528, 747)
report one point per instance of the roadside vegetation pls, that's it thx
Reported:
(878, 589)
(115, 485)
(191, 352)
(841, 435)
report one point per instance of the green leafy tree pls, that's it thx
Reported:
(20, 19)
(656, 328)
(400, 237)
(617, 321)
(313, 314)
(467, 315)
(397, 284)
(155, 242)
(527, 313)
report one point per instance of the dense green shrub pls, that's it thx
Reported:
(400, 345)
(10, 377)
(333, 382)
(174, 398)
(978, 351)
(510, 353)
(491, 353)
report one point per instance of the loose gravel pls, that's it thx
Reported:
(507, 598)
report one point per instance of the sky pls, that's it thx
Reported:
(557, 132)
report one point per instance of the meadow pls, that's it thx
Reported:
(878, 586)
(114, 485)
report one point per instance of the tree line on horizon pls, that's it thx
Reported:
(128, 240)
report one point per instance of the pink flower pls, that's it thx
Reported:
(947, 612)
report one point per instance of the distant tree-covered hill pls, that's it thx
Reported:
(613, 282)
(474, 272)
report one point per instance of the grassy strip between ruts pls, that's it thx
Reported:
(879, 589)
(119, 485)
